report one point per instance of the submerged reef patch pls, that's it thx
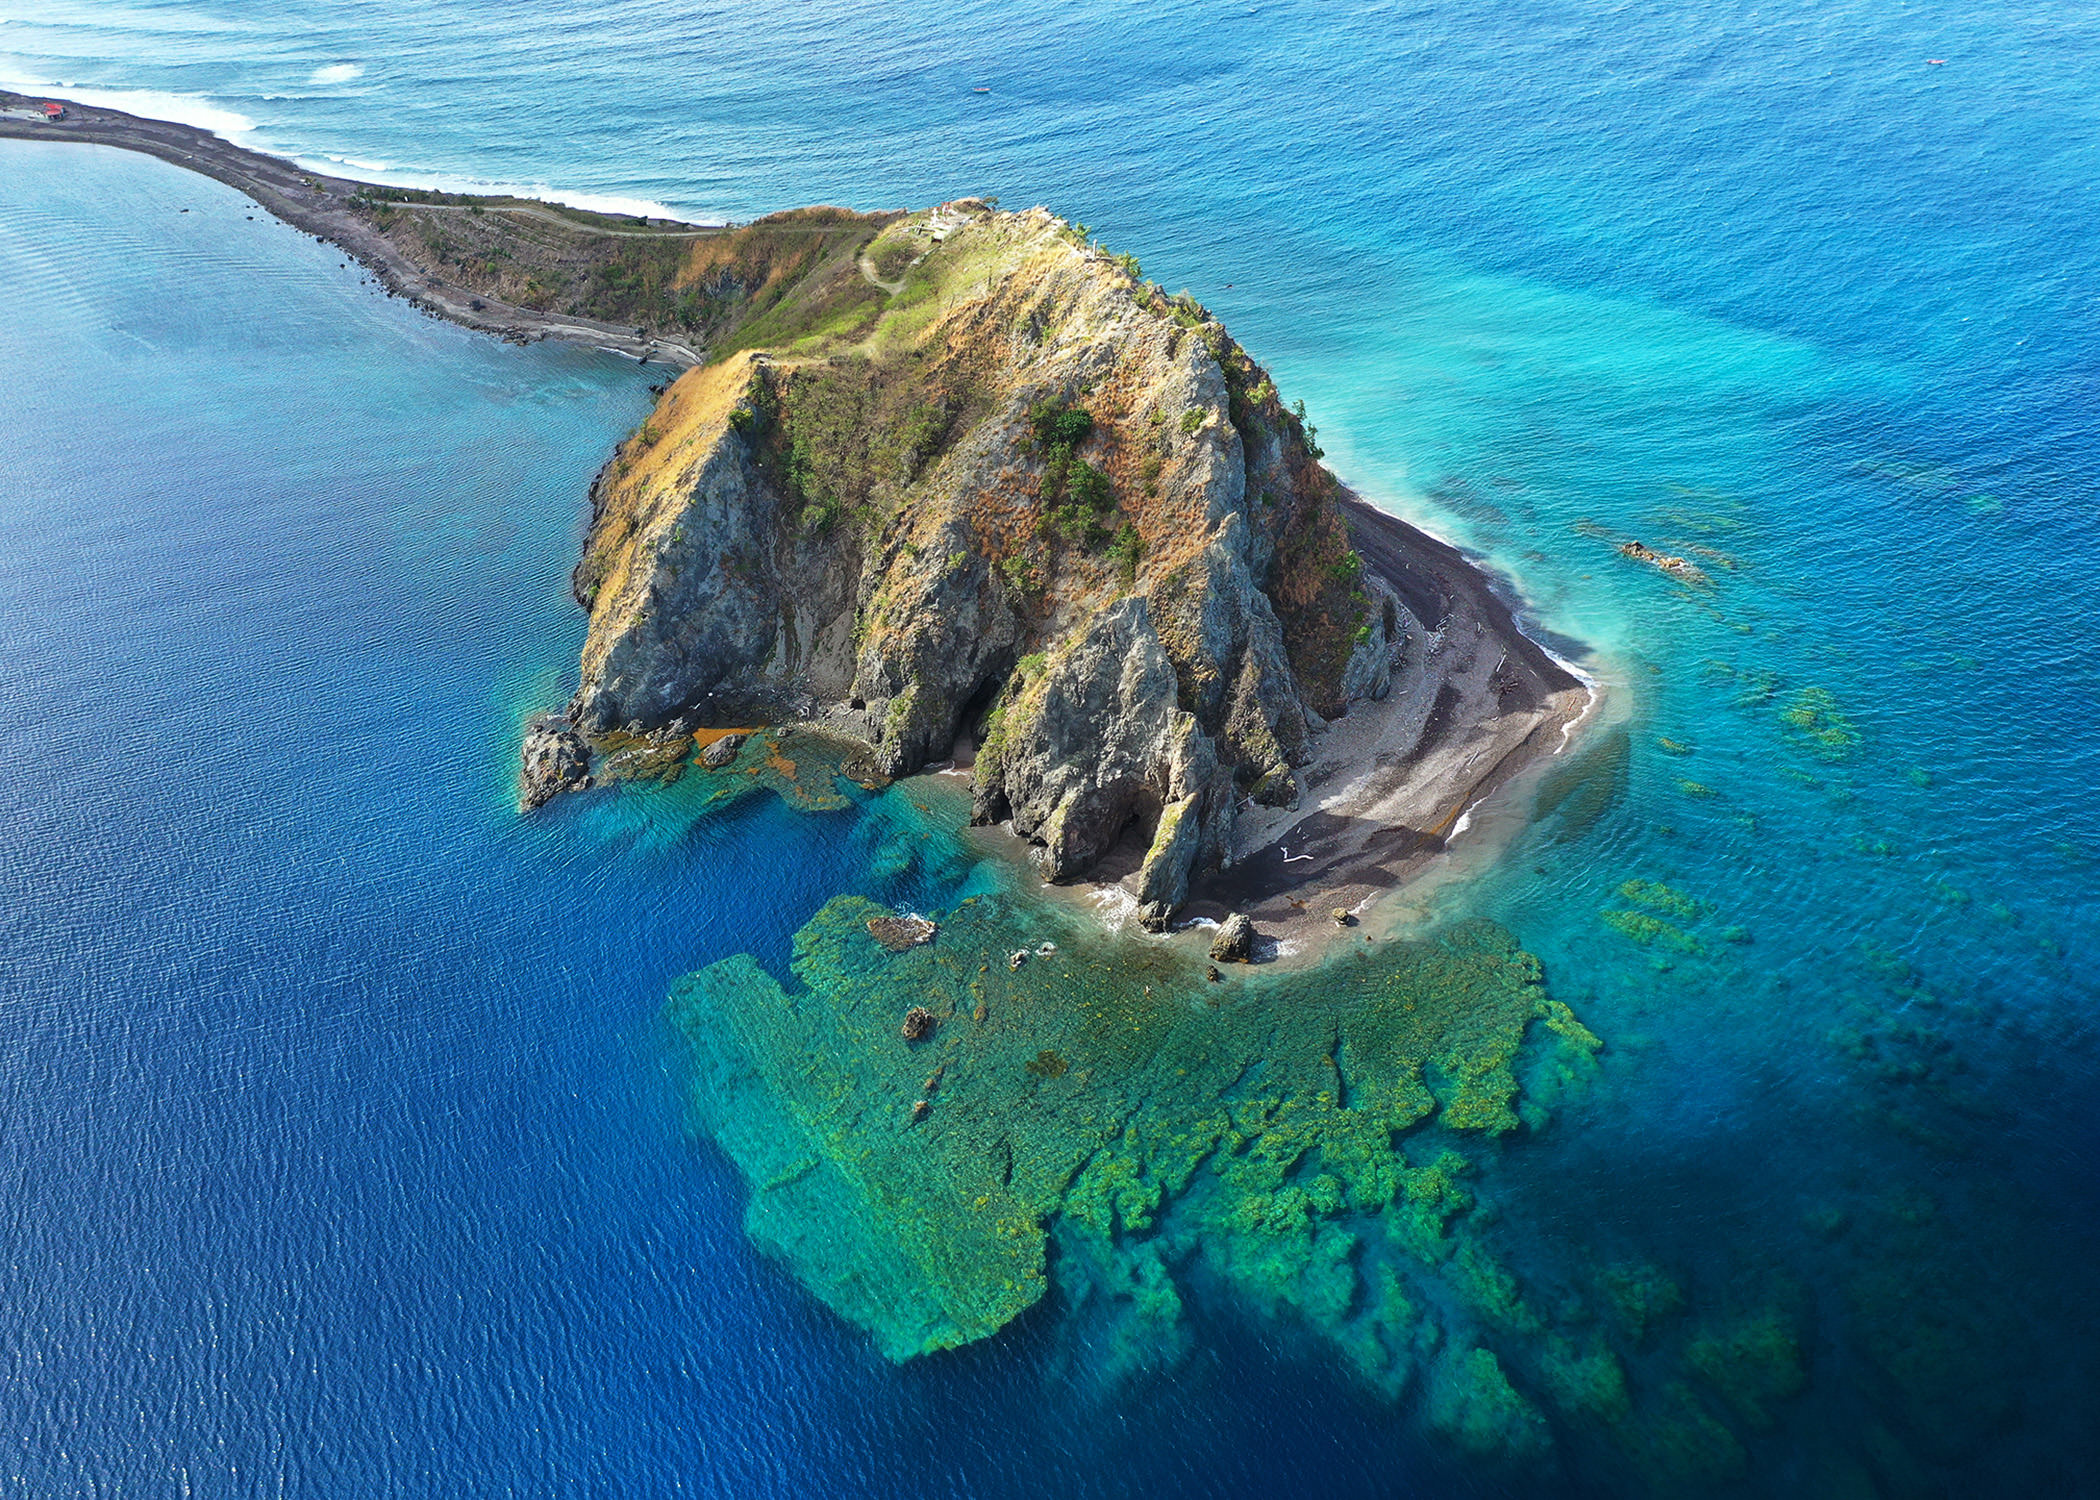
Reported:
(1100, 1091)
(1814, 721)
(936, 1141)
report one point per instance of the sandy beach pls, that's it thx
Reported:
(1477, 708)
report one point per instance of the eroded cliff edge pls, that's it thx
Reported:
(1000, 500)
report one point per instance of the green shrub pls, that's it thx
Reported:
(1088, 486)
(1307, 431)
(1054, 424)
(1192, 419)
(1057, 430)
(1127, 548)
(1020, 574)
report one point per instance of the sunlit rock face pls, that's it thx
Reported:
(981, 487)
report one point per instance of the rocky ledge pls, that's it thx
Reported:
(1021, 509)
(556, 759)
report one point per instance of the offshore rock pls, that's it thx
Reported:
(1028, 504)
(556, 758)
(919, 1024)
(1234, 943)
(898, 933)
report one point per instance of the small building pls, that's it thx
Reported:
(54, 110)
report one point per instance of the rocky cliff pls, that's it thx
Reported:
(1022, 507)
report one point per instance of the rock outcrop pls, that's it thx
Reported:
(1234, 943)
(721, 752)
(1032, 511)
(556, 759)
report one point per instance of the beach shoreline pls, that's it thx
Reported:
(1393, 786)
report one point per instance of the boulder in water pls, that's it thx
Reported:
(721, 752)
(919, 1024)
(899, 933)
(1234, 943)
(555, 759)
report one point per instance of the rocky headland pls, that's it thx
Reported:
(959, 487)
(1003, 504)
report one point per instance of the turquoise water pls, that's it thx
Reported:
(344, 1148)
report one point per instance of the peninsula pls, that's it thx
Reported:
(962, 488)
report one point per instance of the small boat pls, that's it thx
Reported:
(980, 91)
(1935, 62)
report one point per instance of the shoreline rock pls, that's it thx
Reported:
(1234, 943)
(554, 759)
(721, 752)
(896, 934)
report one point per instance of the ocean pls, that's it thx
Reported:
(344, 1145)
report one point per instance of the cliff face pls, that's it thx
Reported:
(1036, 511)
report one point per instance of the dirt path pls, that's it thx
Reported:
(550, 216)
(867, 269)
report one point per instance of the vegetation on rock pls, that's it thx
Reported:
(932, 446)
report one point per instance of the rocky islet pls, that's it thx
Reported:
(1030, 514)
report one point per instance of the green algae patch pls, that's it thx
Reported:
(1105, 1094)
(1814, 721)
(1639, 1297)
(1754, 1364)
(1658, 897)
(806, 768)
(1472, 1402)
(1648, 930)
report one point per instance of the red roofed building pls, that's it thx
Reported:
(54, 111)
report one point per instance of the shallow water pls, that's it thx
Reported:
(345, 1147)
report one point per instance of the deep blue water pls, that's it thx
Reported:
(342, 1144)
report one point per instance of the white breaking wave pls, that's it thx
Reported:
(185, 109)
(336, 73)
(1117, 905)
(451, 182)
(189, 109)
